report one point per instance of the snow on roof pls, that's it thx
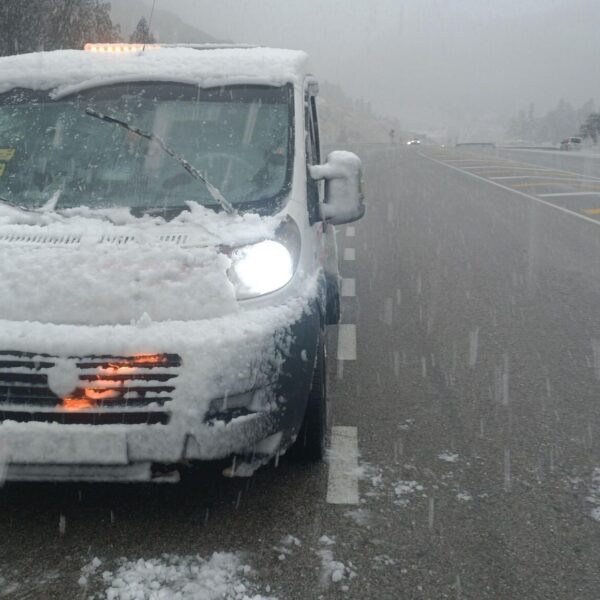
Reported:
(67, 71)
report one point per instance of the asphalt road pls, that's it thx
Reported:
(470, 374)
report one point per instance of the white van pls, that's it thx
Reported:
(167, 260)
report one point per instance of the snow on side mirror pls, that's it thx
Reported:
(344, 199)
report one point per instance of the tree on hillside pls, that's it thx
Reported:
(51, 24)
(142, 34)
(591, 127)
(557, 124)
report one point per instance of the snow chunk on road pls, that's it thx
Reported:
(325, 539)
(174, 577)
(448, 457)
(594, 495)
(286, 545)
(404, 489)
(334, 571)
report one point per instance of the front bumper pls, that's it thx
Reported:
(268, 350)
(37, 451)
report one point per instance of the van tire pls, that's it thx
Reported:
(310, 443)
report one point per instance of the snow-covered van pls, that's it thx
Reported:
(167, 260)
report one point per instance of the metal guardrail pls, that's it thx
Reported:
(355, 146)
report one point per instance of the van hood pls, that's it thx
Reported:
(86, 272)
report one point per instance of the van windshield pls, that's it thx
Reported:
(239, 137)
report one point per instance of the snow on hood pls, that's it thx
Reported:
(72, 268)
(66, 71)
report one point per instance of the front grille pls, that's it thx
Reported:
(110, 389)
(87, 417)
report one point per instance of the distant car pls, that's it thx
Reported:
(414, 142)
(571, 143)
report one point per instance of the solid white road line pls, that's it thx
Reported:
(534, 165)
(509, 189)
(349, 254)
(564, 178)
(342, 483)
(507, 168)
(350, 231)
(348, 287)
(346, 349)
(485, 160)
(561, 194)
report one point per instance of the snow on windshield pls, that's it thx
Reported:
(239, 137)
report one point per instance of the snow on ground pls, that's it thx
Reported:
(332, 570)
(361, 516)
(594, 495)
(373, 475)
(223, 576)
(404, 489)
(286, 546)
(31, 585)
(448, 457)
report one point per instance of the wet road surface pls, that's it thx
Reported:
(466, 373)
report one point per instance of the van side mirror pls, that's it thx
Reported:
(344, 199)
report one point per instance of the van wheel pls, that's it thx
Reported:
(310, 444)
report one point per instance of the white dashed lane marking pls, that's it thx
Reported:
(350, 231)
(349, 254)
(544, 177)
(346, 349)
(342, 483)
(537, 199)
(348, 288)
(506, 168)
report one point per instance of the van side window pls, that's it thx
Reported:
(312, 158)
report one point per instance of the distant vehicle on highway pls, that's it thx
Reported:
(413, 142)
(571, 143)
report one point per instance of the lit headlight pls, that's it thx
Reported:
(266, 266)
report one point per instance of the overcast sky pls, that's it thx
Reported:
(431, 63)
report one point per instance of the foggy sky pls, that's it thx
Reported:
(431, 63)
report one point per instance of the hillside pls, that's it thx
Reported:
(344, 120)
(166, 26)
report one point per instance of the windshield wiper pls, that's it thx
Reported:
(11, 204)
(217, 196)
(18, 207)
(49, 206)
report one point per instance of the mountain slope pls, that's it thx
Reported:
(166, 26)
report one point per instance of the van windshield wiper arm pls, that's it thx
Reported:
(215, 193)
(18, 207)
(49, 206)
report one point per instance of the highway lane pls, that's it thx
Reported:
(567, 180)
(467, 367)
(578, 161)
